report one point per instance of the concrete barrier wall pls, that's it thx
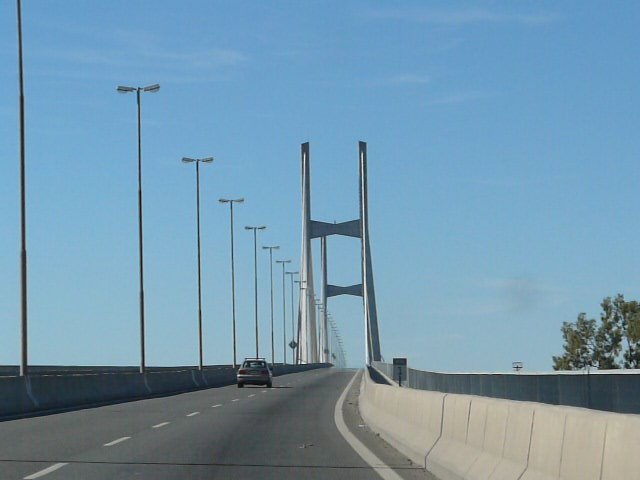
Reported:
(608, 390)
(465, 437)
(38, 393)
(418, 415)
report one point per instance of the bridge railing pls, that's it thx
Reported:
(609, 390)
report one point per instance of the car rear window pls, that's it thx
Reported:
(254, 365)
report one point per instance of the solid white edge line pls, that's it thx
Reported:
(367, 455)
(192, 414)
(118, 440)
(46, 471)
(160, 425)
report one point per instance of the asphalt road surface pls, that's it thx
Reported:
(288, 431)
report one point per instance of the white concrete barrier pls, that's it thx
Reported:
(517, 441)
(493, 440)
(417, 414)
(464, 437)
(452, 456)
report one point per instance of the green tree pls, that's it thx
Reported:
(579, 344)
(630, 321)
(613, 343)
(608, 339)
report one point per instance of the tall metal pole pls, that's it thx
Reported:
(284, 317)
(319, 339)
(255, 283)
(233, 275)
(140, 243)
(233, 291)
(297, 332)
(199, 268)
(152, 89)
(284, 313)
(197, 162)
(300, 317)
(24, 369)
(273, 354)
(271, 249)
(255, 277)
(293, 330)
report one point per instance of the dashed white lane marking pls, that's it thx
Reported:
(160, 425)
(216, 406)
(367, 455)
(192, 414)
(263, 391)
(119, 440)
(46, 471)
(252, 395)
(235, 400)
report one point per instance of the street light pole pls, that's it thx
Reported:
(293, 329)
(284, 312)
(271, 249)
(197, 161)
(302, 286)
(233, 276)
(152, 89)
(255, 276)
(319, 339)
(24, 368)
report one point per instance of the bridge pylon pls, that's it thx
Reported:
(313, 332)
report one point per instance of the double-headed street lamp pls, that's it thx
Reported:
(271, 249)
(255, 275)
(197, 161)
(150, 89)
(233, 275)
(284, 312)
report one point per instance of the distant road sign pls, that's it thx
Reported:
(400, 371)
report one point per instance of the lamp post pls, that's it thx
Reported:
(24, 368)
(255, 275)
(303, 286)
(319, 339)
(150, 89)
(271, 249)
(197, 161)
(293, 328)
(284, 312)
(329, 337)
(233, 275)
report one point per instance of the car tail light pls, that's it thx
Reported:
(242, 372)
(264, 372)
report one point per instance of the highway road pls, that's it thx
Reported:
(290, 431)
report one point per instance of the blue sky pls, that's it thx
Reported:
(503, 163)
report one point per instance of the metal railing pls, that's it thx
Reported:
(609, 390)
